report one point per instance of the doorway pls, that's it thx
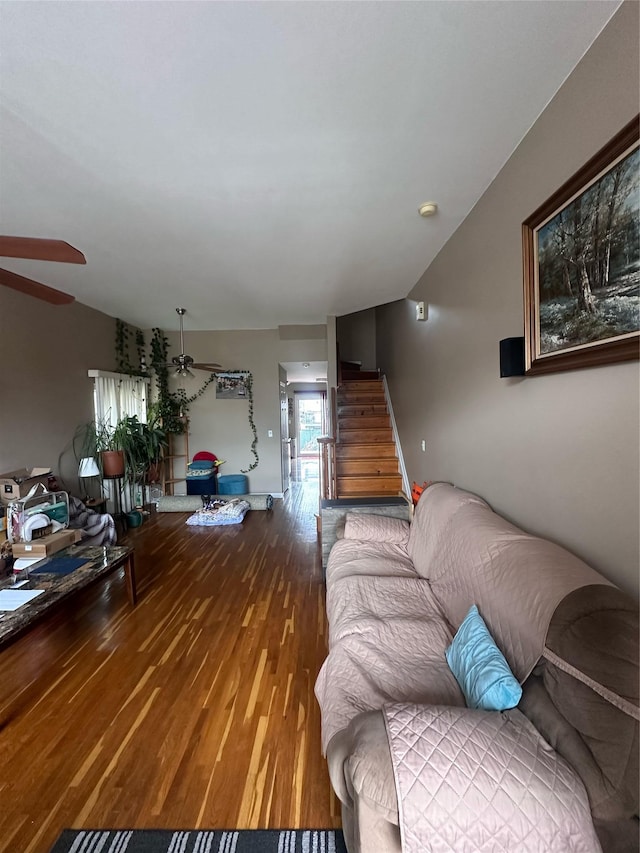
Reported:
(309, 426)
(309, 421)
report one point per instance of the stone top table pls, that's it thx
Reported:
(101, 562)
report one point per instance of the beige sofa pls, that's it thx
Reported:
(396, 594)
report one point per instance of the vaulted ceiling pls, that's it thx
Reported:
(262, 163)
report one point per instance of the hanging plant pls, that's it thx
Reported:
(171, 407)
(142, 359)
(124, 335)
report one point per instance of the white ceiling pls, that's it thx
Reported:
(315, 371)
(262, 163)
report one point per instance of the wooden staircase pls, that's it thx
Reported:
(366, 461)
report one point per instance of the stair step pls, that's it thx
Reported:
(381, 493)
(355, 398)
(365, 436)
(364, 422)
(374, 484)
(352, 410)
(361, 385)
(381, 450)
(356, 467)
(359, 375)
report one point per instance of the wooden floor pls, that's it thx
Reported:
(195, 709)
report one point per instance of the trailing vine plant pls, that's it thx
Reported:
(124, 335)
(173, 406)
(174, 416)
(142, 358)
(252, 425)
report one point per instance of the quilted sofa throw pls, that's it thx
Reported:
(477, 780)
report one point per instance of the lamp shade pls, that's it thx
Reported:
(88, 467)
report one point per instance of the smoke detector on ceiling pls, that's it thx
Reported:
(428, 208)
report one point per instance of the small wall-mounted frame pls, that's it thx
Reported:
(232, 385)
(582, 264)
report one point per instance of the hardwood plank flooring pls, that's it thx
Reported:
(195, 709)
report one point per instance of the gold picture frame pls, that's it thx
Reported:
(581, 255)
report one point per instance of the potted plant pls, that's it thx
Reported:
(101, 439)
(130, 450)
(157, 442)
(142, 444)
(110, 443)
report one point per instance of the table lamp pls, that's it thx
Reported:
(88, 468)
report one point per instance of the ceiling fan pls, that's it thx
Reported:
(38, 249)
(183, 363)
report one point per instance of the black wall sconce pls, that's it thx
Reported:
(512, 357)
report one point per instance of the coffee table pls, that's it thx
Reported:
(101, 562)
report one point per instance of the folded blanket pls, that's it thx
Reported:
(198, 473)
(97, 528)
(220, 513)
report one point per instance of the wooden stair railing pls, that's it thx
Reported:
(327, 467)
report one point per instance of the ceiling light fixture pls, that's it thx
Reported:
(306, 364)
(428, 208)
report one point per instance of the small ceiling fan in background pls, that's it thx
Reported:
(183, 363)
(38, 249)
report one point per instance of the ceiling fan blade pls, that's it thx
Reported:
(210, 366)
(35, 288)
(40, 249)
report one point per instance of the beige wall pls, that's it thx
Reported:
(45, 352)
(357, 337)
(557, 454)
(221, 426)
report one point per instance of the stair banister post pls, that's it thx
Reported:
(324, 444)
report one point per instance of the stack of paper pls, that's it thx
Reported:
(11, 599)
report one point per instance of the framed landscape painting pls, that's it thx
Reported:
(581, 252)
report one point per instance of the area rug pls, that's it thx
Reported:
(200, 841)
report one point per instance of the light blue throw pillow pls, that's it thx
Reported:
(480, 668)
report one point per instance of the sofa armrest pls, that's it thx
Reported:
(359, 764)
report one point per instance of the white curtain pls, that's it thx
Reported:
(117, 395)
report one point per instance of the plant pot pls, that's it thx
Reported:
(112, 463)
(134, 518)
(154, 473)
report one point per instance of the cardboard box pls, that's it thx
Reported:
(17, 484)
(47, 545)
